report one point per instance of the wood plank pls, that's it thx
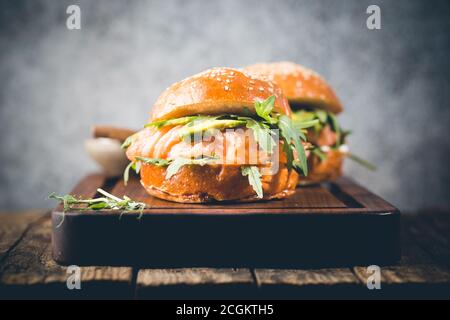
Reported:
(429, 237)
(439, 222)
(13, 226)
(195, 282)
(306, 277)
(308, 283)
(29, 271)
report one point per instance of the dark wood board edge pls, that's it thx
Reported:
(162, 215)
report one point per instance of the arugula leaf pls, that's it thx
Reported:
(362, 162)
(292, 136)
(336, 128)
(128, 141)
(176, 164)
(109, 201)
(262, 134)
(98, 206)
(67, 200)
(136, 166)
(344, 135)
(322, 156)
(305, 124)
(289, 152)
(264, 109)
(303, 116)
(126, 173)
(156, 161)
(254, 179)
(321, 115)
(324, 118)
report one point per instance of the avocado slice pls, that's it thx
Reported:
(211, 124)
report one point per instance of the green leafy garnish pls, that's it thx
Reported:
(336, 128)
(292, 136)
(128, 141)
(176, 164)
(322, 116)
(344, 134)
(306, 124)
(135, 165)
(108, 201)
(361, 161)
(321, 155)
(318, 119)
(264, 109)
(254, 179)
(126, 173)
(67, 200)
(155, 161)
(261, 133)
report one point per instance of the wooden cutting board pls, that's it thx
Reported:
(331, 224)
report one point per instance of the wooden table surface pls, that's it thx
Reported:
(28, 271)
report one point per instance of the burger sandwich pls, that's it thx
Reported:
(312, 99)
(220, 135)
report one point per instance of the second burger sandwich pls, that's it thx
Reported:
(312, 99)
(199, 144)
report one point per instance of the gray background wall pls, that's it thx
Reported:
(56, 83)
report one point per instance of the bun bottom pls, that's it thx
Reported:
(325, 170)
(212, 183)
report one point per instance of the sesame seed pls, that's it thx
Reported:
(261, 89)
(226, 88)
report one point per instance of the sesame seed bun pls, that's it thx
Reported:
(301, 86)
(217, 91)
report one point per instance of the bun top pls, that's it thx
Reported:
(217, 91)
(302, 86)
